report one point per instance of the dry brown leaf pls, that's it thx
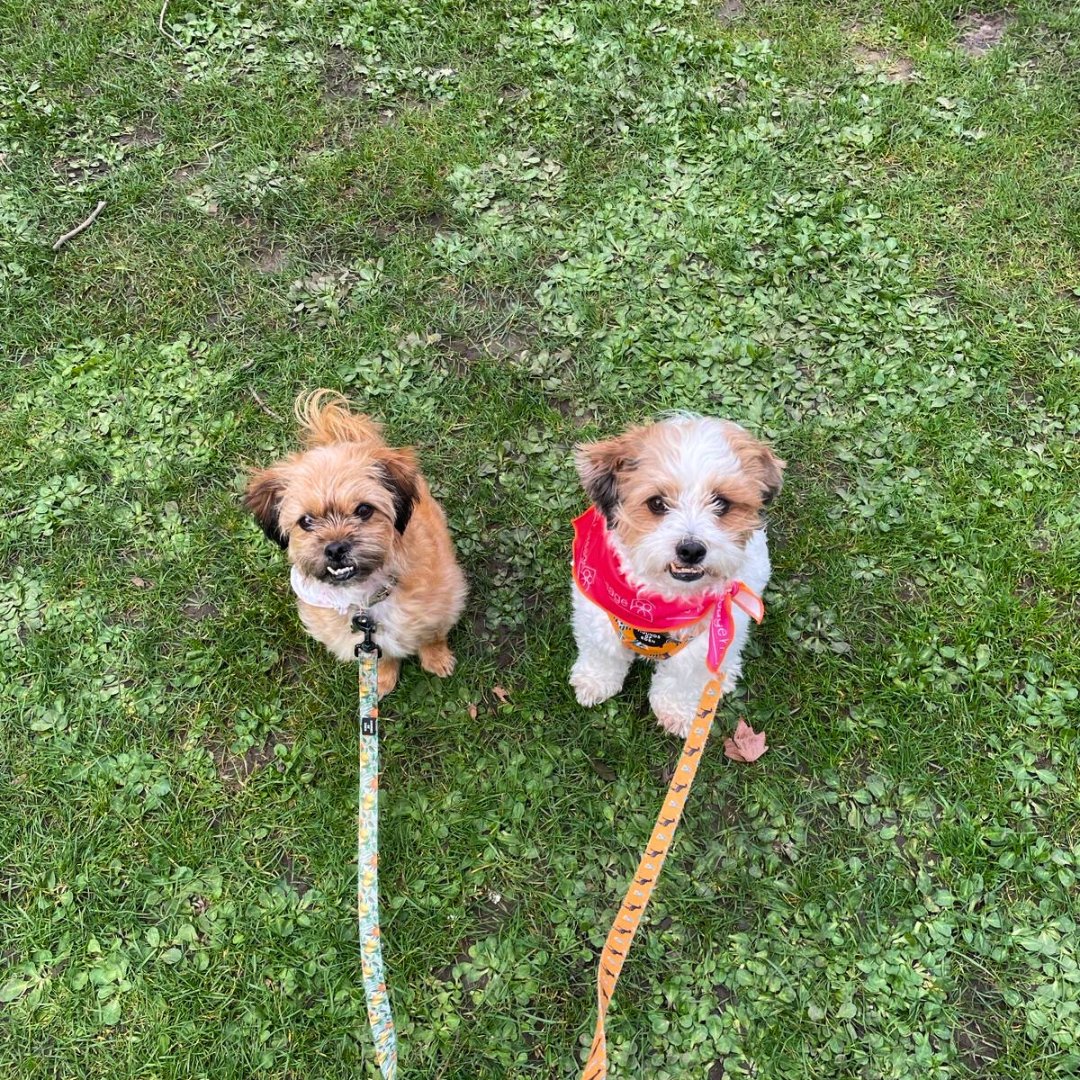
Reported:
(500, 693)
(472, 711)
(141, 583)
(745, 744)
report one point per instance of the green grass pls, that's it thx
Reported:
(504, 228)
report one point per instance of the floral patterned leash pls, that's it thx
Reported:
(367, 853)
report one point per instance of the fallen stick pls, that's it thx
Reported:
(81, 227)
(262, 404)
(161, 25)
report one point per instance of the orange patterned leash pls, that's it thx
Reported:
(637, 897)
(722, 633)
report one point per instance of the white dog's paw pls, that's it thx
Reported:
(591, 687)
(675, 723)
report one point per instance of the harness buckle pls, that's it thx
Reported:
(363, 623)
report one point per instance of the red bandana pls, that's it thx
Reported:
(599, 577)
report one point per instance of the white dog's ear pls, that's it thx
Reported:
(263, 499)
(600, 465)
(758, 461)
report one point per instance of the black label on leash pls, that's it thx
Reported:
(369, 725)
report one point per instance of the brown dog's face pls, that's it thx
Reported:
(337, 509)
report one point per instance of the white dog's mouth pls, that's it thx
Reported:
(685, 573)
(341, 573)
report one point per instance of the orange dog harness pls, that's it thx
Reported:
(652, 644)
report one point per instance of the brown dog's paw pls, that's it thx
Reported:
(389, 669)
(437, 658)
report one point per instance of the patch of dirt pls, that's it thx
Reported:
(271, 257)
(446, 974)
(234, 771)
(603, 770)
(434, 220)
(976, 1042)
(384, 230)
(501, 344)
(907, 592)
(978, 34)
(198, 608)
(291, 878)
(894, 69)
(141, 137)
(340, 79)
(1027, 591)
(508, 642)
(187, 173)
(729, 10)
(290, 666)
(572, 410)
(492, 911)
(79, 170)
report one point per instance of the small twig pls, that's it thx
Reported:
(81, 227)
(262, 405)
(161, 26)
(206, 154)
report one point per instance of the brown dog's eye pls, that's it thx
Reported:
(656, 505)
(307, 523)
(720, 505)
(364, 511)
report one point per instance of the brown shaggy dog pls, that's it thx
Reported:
(363, 533)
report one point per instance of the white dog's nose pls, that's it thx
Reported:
(690, 551)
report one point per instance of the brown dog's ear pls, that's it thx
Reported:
(758, 460)
(400, 478)
(599, 465)
(263, 499)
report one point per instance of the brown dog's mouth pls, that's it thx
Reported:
(341, 573)
(685, 573)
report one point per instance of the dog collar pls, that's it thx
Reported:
(601, 579)
(334, 597)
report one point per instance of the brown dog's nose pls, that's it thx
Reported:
(336, 551)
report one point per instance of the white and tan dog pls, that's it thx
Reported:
(362, 532)
(682, 504)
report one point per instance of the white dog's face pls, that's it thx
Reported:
(681, 498)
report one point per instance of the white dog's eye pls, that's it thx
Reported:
(656, 505)
(307, 523)
(364, 511)
(720, 505)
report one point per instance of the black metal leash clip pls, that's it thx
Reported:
(363, 623)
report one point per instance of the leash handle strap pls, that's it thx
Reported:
(645, 877)
(367, 870)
